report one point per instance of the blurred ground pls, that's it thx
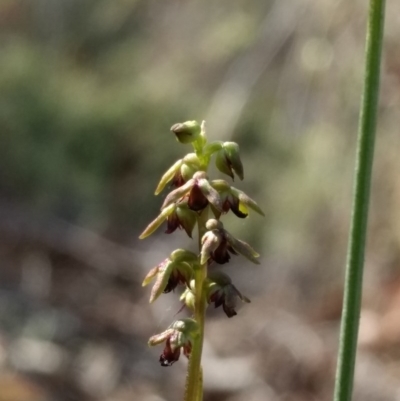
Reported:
(88, 91)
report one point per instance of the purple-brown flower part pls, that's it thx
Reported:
(178, 180)
(169, 356)
(180, 172)
(176, 278)
(233, 199)
(232, 203)
(197, 201)
(217, 243)
(175, 270)
(179, 336)
(181, 217)
(214, 244)
(221, 291)
(221, 254)
(198, 192)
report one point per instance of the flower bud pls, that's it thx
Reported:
(228, 160)
(188, 297)
(186, 132)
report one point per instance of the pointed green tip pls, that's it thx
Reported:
(146, 233)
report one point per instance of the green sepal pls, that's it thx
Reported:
(157, 221)
(187, 218)
(188, 298)
(191, 164)
(159, 338)
(209, 243)
(212, 148)
(182, 255)
(150, 275)
(164, 275)
(243, 248)
(210, 193)
(232, 154)
(177, 193)
(222, 164)
(168, 176)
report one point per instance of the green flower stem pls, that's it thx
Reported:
(194, 379)
(356, 249)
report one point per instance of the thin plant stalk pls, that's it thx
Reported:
(194, 379)
(356, 248)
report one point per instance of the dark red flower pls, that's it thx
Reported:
(198, 192)
(197, 201)
(179, 336)
(217, 243)
(177, 269)
(181, 217)
(233, 199)
(221, 291)
(174, 280)
(170, 354)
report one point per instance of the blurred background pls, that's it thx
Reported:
(88, 92)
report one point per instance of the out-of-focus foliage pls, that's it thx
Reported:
(88, 91)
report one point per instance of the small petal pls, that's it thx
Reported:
(190, 166)
(178, 179)
(242, 297)
(247, 201)
(197, 201)
(188, 298)
(157, 221)
(243, 248)
(168, 176)
(178, 193)
(210, 193)
(221, 254)
(182, 255)
(169, 356)
(152, 273)
(221, 291)
(159, 338)
(172, 223)
(212, 147)
(161, 281)
(234, 205)
(187, 219)
(187, 171)
(177, 269)
(222, 164)
(210, 242)
(232, 155)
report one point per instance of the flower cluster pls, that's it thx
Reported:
(194, 199)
